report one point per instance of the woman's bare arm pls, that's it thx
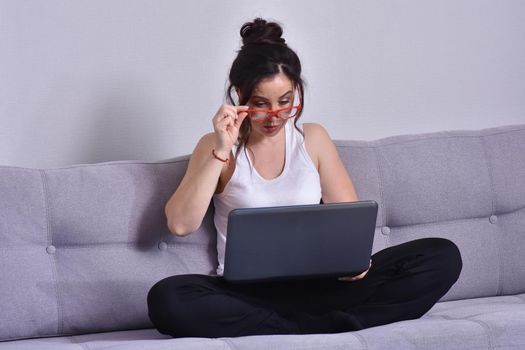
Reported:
(336, 184)
(188, 205)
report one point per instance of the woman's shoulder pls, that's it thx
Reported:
(316, 133)
(316, 140)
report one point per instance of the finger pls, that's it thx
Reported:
(223, 124)
(220, 117)
(354, 278)
(363, 274)
(240, 118)
(347, 279)
(227, 114)
(231, 109)
(224, 119)
(241, 108)
(234, 110)
(223, 110)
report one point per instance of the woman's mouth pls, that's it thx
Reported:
(271, 127)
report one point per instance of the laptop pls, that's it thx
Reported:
(299, 241)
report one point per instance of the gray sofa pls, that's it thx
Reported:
(80, 246)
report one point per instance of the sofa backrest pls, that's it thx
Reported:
(80, 246)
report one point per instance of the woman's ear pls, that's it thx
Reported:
(238, 91)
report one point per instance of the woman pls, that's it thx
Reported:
(258, 155)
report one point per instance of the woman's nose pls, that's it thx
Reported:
(271, 116)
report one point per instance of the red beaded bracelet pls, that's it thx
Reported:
(227, 160)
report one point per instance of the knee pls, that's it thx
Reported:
(448, 257)
(166, 305)
(160, 298)
(159, 294)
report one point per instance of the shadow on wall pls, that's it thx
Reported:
(124, 124)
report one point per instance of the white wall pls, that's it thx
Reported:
(97, 80)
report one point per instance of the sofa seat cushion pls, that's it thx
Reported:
(481, 323)
(140, 339)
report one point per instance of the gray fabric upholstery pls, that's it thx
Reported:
(80, 246)
(481, 323)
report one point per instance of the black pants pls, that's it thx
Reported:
(404, 282)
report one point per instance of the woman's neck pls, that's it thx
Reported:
(257, 140)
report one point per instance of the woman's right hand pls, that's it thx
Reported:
(226, 124)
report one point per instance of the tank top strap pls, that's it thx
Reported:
(296, 139)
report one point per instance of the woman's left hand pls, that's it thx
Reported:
(356, 278)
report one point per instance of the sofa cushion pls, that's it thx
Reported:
(81, 246)
(483, 323)
(467, 186)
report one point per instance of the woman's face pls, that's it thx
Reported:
(272, 93)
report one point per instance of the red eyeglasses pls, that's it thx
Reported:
(260, 115)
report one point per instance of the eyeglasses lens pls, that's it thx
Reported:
(285, 114)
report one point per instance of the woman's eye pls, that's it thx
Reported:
(284, 103)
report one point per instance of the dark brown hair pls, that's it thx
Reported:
(264, 54)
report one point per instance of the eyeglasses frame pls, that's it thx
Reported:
(273, 111)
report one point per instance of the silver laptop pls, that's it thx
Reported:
(300, 241)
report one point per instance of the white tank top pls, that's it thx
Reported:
(298, 183)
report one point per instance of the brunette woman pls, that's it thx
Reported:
(260, 155)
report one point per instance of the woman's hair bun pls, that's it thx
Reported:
(261, 32)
